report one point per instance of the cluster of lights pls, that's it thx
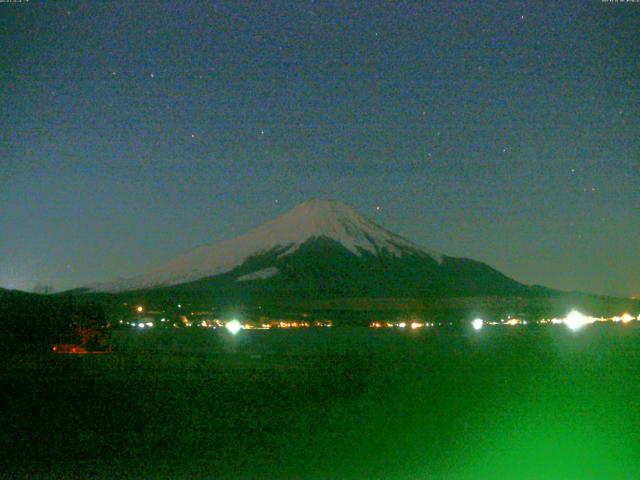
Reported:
(217, 323)
(511, 321)
(624, 318)
(209, 323)
(574, 321)
(295, 324)
(284, 324)
(292, 325)
(414, 325)
(234, 326)
(142, 324)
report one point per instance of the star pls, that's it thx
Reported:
(152, 75)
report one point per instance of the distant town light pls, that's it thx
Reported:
(477, 323)
(233, 326)
(141, 325)
(402, 324)
(626, 318)
(575, 320)
(139, 309)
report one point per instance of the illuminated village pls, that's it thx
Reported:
(142, 319)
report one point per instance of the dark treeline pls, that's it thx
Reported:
(31, 321)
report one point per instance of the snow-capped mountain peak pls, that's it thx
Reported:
(334, 220)
(314, 218)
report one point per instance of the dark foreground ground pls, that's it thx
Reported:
(508, 402)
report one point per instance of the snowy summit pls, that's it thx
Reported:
(313, 219)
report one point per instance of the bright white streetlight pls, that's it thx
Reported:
(477, 323)
(575, 320)
(233, 326)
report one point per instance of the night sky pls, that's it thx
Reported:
(507, 132)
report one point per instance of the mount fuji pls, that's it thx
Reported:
(320, 249)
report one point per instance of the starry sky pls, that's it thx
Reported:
(507, 132)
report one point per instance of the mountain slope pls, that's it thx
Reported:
(313, 219)
(322, 268)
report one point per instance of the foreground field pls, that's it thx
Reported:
(521, 402)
